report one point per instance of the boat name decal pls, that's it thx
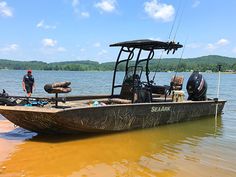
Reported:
(160, 109)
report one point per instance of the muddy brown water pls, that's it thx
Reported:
(196, 148)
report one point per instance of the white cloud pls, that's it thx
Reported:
(49, 42)
(85, 14)
(42, 25)
(219, 43)
(50, 46)
(196, 3)
(10, 48)
(77, 11)
(75, 4)
(97, 44)
(106, 5)
(159, 11)
(5, 10)
(211, 46)
(222, 42)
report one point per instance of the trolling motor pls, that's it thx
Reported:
(196, 87)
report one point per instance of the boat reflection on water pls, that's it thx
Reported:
(169, 150)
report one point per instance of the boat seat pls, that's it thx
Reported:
(128, 85)
(59, 87)
(126, 91)
(177, 83)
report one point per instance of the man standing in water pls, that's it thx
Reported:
(28, 83)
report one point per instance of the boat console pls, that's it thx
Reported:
(135, 87)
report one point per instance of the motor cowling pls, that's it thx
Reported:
(196, 87)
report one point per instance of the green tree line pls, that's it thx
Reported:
(169, 64)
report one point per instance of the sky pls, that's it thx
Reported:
(66, 30)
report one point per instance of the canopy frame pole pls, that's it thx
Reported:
(129, 50)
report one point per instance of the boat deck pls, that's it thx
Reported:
(80, 103)
(91, 101)
(100, 102)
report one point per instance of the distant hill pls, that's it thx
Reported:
(85, 62)
(169, 64)
(213, 59)
(17, 65)
(200, 63)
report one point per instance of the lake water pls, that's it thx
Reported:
(197, 148)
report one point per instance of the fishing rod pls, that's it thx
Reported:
(170, 33)
(180, 20)
(181, 57)
(173, 24)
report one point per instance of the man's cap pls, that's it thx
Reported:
(29, 71)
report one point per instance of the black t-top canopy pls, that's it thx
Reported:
(147, 44)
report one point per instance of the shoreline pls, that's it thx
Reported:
(223, 72)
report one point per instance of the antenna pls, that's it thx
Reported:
(217, 94)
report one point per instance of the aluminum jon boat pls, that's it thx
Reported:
(140, 103)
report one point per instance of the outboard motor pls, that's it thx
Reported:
(196, 87)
